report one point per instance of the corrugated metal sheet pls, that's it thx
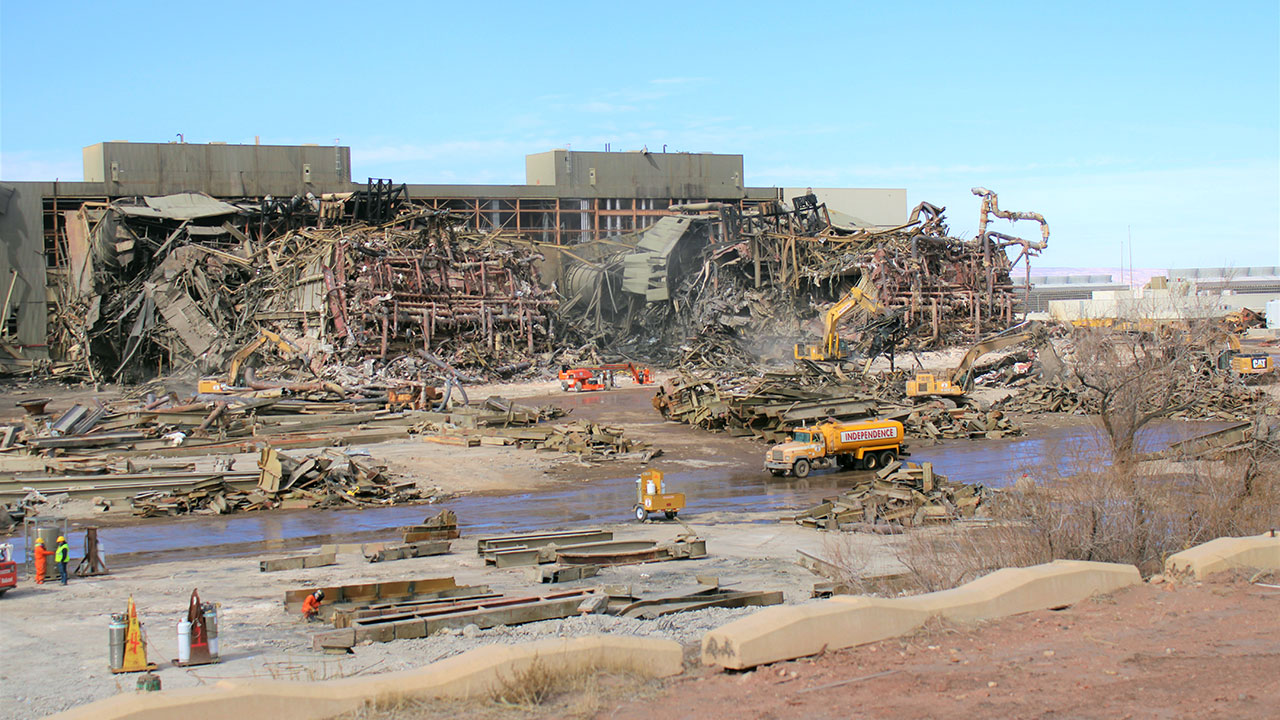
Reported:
(182, 206)
(645, 270)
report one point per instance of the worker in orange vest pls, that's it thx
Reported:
(311, 606)
(42, 560)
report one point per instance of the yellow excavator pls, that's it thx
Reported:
(833, 347)
(215, 385)
(1248, 365)
(959, 380)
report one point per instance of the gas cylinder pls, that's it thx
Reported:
(184, 641)
(115, 639)
(211, 626)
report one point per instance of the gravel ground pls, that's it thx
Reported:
(60, 633)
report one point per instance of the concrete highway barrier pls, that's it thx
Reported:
(785, 633)
(1258, 552)
(476, 673)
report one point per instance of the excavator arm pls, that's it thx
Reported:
(960, 379)
(858, 297)
(264, 336)
(1016, 335)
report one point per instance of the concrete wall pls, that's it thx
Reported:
(699, 176)
(22, 244)
(218, 170)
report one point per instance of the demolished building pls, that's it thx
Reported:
(719, 284)
(261, 192)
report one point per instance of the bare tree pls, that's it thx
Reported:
(1141, 377)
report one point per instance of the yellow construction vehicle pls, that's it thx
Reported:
(214, 385)
(864, 445)
(650, 497)
(1248, 365)
(959, 380)
(832, 347)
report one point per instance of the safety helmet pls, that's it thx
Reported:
(39, 541)
(319, 594)
(61, 539)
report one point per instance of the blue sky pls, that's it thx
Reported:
(1160, 119)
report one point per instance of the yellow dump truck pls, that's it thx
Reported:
(866, 445)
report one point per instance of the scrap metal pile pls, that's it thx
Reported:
(899, 496)
(728, 289)
(330, 478)
(108, 452)
(587, 440)
(161, 284)
(769, 407)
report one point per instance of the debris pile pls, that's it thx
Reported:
(588, 440)
(720, 287)
(900, 496)
(185, 280)
(770, 407)
(936, 422)
(326, 479)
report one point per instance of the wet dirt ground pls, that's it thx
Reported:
(717, 472)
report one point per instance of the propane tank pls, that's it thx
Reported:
(115, 640)
(184, 641)
(211, 627)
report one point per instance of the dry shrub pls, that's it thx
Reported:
(945, 557)
(534, 684)
(536, 691)
(1142, 513)
(850, 560)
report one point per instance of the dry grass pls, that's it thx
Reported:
(946, 557)
(536, 691)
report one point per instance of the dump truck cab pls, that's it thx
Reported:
(865, 445)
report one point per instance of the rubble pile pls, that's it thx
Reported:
(163, 284)
(329, 478)
(936, 422)
(729, 289)
(232, 422)
(900, 496)
(587, 440)
(771, 406)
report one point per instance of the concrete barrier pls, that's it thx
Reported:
(472, 674)
(785, 633)
(1261, 552)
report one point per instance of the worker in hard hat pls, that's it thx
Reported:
(42, 560)
(61, 555)
(311, 606)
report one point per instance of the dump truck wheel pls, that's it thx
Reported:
(641, 514)
(801, 468)
(887, 457)
(870, 461)
(671, 514)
